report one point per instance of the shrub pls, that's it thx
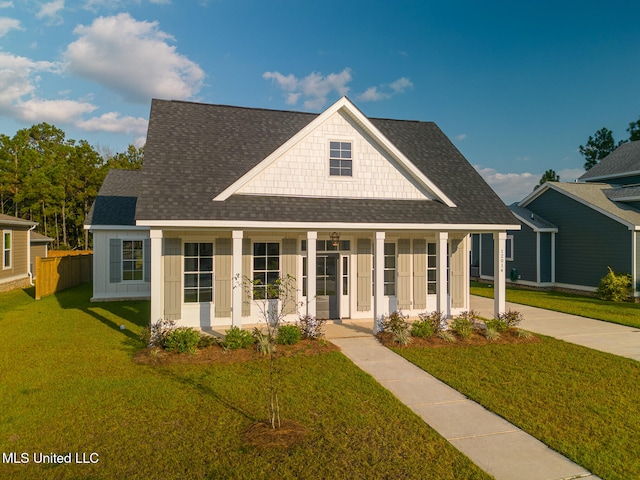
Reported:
(396, 324)
(263, 341)
(182, 340)
(311, 328)
(155, 334)
(288, 335)
(237, 338)
(492, 334)
(447, 336)
(462, 326)
(422, 329)
(207, 340)
(438, 320)
(615, 287)
(511, 317)
(496, 324)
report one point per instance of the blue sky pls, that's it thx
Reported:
(517, 86)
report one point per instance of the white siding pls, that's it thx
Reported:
(304, 169)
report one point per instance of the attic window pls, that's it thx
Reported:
(340, 159)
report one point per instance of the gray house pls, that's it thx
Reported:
(367, 215)
(571, 232)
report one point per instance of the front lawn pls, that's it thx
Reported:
(581, 402)
(70, 385)
(624, 313)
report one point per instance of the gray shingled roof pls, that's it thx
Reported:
(624, 159)
(534, 219)
(116, 200)
(9, 220)
(624, 192)
(195, 151)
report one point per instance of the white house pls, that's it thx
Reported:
(368, 215)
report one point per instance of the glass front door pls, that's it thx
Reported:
(327, 284)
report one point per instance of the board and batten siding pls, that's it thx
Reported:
(458, 272)
(525, 256)
(364, 254)
(419, 274)
(587, 241)
(222, 275)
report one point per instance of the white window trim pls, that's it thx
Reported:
(510, 257)
(341, 178)
(183, 272)
(10, 249)
(123, 260)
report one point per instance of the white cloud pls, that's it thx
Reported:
(53, 111)
(6, 4)
(112, 122)
(461, 137)
(132, 58)
(314, 88)
(386, 91)
(510, 187)
(17, 77)
(7, 24)
(51, 11)
(401, 85)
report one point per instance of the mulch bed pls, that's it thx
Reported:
(262, 435)
(477, 339)
(217, 354)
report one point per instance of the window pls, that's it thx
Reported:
(340, 159)
(266, 269)
(132, 260)
(198, 272)
(389, 269)
(432, 271)
(327, 246)
(6, 250)
(508, 248)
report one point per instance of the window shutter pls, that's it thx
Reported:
(172, 278)
(458, 265)
(246, 273)
(364, 274)
(115, 260)
(419, 274)
(222, 276)
(403, 290)
(147, 260)
(289, 256)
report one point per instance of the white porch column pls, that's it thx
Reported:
(441, 251)
(312, 237)
(378, 271)
(499, 279)
(238, 281)
(157, 297)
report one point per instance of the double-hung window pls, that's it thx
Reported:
(340, 159)
(432, 269)
(266, 269)
(6, 249)
(198, 272)
(132, 260)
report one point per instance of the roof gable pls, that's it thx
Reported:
(195, 152)
(300, 167)
(594, 196)
(116, 200)
(624, 161)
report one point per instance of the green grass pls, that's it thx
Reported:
(581, 402)
(69, 385)
(624, 313)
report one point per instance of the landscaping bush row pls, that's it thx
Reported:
(164, 334)
(463, 326)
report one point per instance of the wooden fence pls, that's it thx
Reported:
(57, 273)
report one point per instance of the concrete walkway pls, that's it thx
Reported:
(492, 443)
(604, 336)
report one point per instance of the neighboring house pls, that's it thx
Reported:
(16, 252)
(39, 248)
(367, 215)
(572, 232)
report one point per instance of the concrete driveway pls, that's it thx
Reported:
(607, 337)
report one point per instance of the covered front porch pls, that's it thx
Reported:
(349, 276)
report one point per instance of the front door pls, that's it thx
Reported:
(327, 286)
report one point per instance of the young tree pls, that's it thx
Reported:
(597, 147)
(274, 301)
(548, 176)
